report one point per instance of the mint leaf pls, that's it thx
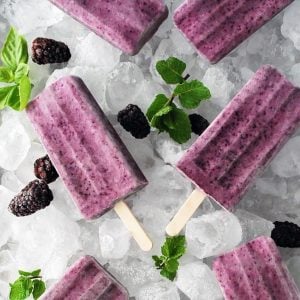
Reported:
(192, 93)
(6, 93)
(157, 120)
(21, 71)
(172, 265)
(171, 70)
(169, 121)
(20, 289)
(174, 247)
(14, 50)
(39, 288)
(159, 102)
(170, 275)
(24, 92)
(34, 273)
(182, 131)
(6, 75)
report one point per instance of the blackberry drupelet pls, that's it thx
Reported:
(35, 196)
(48, 51)
(286, 234)
(198, 123)
(44, 169)
(133, 120)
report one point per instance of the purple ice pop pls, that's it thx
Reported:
(255, 271)
(242, 140)
(215, 27)
(87, 280)
(126, 24)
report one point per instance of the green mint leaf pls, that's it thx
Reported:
(169, 121)
(39, 288)
(157, 120)
(171, 70)
(157, 261)
(182, 131)
(192, 93)
(20, 289)
(21, 71)
(6, 75)
(165, 273)
(6, 93)
(159, 102)
(24, 92)
(14, 50)
(172, 265)
(174, 247)
(34, 273)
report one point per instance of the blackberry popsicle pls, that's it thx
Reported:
(89, 156)
(126, 24)
(240, 143)
(215, 27)
(255, 271)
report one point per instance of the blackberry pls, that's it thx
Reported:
(48, 51)
(35, 196)
(43, 169)
(198, 123)
(133, 120)
(286, 234)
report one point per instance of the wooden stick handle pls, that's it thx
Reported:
(133, 225)
(185, 212)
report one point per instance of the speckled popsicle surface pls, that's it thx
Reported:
(87, 280)
(127, 24)
(255, 271)
(88, 154)
(244, 138)
(215, 27)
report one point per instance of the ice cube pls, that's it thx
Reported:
(114, 239)
(10, 181)
(162, 290)
(293, 265)
(14, 142)
(124, 84)
(253, 225)
(287, 162)
(29, 15)
(272, 186)
(93, 51)
(213, 233)
(197, 281)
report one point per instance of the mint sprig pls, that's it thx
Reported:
(172, 250)
(29, 283)
(14, 72)
(167, 116)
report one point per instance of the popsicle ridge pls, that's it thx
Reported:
(87, 152)
(215, 27)
(223, 161)
(255, 271)
(125, 24)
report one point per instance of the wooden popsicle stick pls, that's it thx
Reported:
(185, 212)
(133, 225)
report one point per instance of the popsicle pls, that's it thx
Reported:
(240, 142)
(126, 24)
(87, 280)
(88, 154)
(255, 271)
(215, 27)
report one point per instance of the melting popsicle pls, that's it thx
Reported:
(240, 142)
(215, 27)
(255, 271)
(87, 280)
(126, 24)
(87, 153)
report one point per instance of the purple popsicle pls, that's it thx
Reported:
(255, 271)
(87, 153)
(126, 24)
(87, 280)
(215, 27)
(243, 139)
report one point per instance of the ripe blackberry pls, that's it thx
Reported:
(286, 234)
(43, 169)
(133, 120)
(199, 124)
(35, 196)
(48, 51)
